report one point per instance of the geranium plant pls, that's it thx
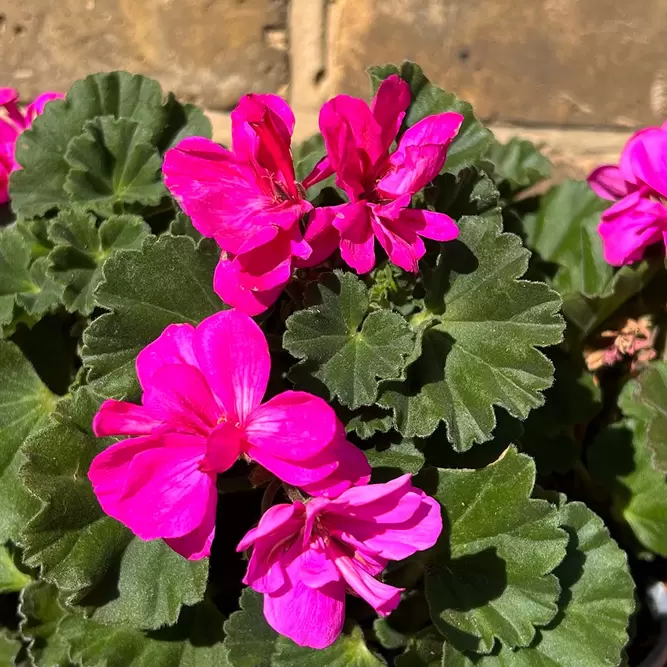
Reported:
(376, 399)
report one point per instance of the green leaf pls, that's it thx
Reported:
(549, 432)
(519, 163)
(621, 460)
(94, 559)
(473, 139)
(478, 342)
(40, 185)
(9, 647)
(169, 280)
(196, 641)
(24, 404)
(12, 579)
(348, 349)
(249, 640)
(81, 250)
(490, 576)
(401, 457)
(41, 613)
(113, 164)
(349, 650)
(595, 605)
(181, 225)
(368, 422)
(651, 392)
(564, 231)
(423, 650)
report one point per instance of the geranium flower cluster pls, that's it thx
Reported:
(248, 199)
(638, 185)
(12, 123)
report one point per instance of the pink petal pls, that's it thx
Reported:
(122, 418)
(400, 241)
(224, 446)
(197, 544)
(321, 171)
(180, 395)
(314, 568)
(234, 356)
(228, 281)
(607, 182)
(155, 490)
(268, 266)
(420, 155)
(429, 224)
(265, 574)
(365, 495)
(353, 470)
(321, 235)
(252, 108)
(309, 617)
(274, 520)
(382, 597)
(37, 107)
(8, 96)
(629, 227)
(648, 156)
(8, 136)
(357, 239)
(173, 346)
(294, 426)
(4, 184)
(390, 103)
(297, 473)
(626, 163)
(222, 195)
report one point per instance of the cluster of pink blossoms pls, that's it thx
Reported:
(249, 201)
(12, 124)
(201, 411)
(638, 185)
(202, 406)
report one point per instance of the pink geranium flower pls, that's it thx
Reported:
(247, 199)
(307, 554)
(201, 410)
(380, 184)
(638, 185)
(12, 125)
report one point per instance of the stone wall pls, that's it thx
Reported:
(530, 63)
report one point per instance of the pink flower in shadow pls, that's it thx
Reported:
(638, 185)
(247, 199)
(380, 184)
(201, 410)
(12, 124)
(308, 554)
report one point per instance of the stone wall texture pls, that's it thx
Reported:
(565, 63)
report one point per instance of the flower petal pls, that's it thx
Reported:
(197, 544)
(309, 617)
(179, 394)
(420, 155)
(122, 418)
(608, 182)
(320, 172)
(284, 518)
(173, 346)
(389, 106)
(296, 473)
(37, 107)
(293, 426)
(223, 447)
(165, 494)
(629, 227)
(429, 224)
(357, 239)
(400, 241)
(233, 355)
(648, 155)
(321, 235)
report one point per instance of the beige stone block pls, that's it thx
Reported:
(207, 51)
(585, 62)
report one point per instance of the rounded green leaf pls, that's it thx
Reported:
(651, 391)
(479, 340)
(518, 164)
(344, 346)
(12, 579)
(91, 557)
(25, 402)
(170, 279)
(490, 576)
(591, 628)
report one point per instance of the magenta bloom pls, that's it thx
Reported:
(11, 126)
(638, 185)
(306, 555)
(380, 184)
(248, 200)
(201, 410)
